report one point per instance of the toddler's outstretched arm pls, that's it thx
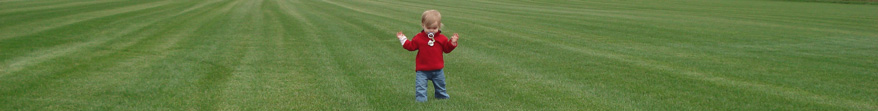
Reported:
(408, 45)
(453, 44)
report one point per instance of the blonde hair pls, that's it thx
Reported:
(431, 18)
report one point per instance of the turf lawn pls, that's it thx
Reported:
(513, 55)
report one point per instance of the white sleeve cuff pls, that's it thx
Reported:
(402, 40)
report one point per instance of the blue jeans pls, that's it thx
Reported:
(438, 78)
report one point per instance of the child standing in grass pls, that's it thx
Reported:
(429, 62)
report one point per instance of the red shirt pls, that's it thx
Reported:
(429, 57)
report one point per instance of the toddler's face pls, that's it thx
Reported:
(431, 28)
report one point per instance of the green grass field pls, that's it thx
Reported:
(513, 55)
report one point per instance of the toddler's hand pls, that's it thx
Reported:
(401, 37)
(454, 39)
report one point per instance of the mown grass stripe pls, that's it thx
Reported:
(35, 27)
(121, 52)
(15, 63)
(48, 7)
